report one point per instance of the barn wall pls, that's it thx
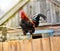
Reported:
(46, 7)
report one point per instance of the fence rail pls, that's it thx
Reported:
(40, 44)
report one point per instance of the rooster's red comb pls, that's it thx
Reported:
(23, 15)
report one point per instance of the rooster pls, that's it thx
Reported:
(28, 25)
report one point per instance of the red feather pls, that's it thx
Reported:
(24, 15)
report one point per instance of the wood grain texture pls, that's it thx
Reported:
(5, 46)
(46, 44)
(55, 43)
(12, 45)
(26, 45)
(1, 46)
(36, 45)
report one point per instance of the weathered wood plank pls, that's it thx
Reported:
(18, 46)
(22, 45)
(12, 45)
(46, 44)
(26, 45)
(0, 46)
(5, 46)
(37, 45)
(55, 43)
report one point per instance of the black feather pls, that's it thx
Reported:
(37, 18)
(27, 26)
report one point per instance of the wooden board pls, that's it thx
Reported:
(1, 46)
(5, 46)
(46, 44)
(12, 45)
(26, 45)
(18, 46)
(55, 43)
(37, 45)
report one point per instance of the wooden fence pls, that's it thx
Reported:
(40, 44)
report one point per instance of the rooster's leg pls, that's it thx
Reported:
(24, 32)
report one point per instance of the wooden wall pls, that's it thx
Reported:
(46, 7)
(40, 44)
(49, 8)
